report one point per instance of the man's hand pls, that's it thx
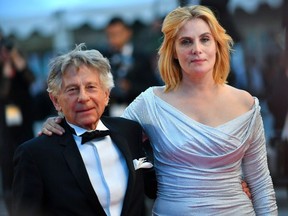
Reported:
(51, 125)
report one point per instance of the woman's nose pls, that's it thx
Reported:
(196, 49)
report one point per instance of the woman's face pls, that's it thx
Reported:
(195, 48)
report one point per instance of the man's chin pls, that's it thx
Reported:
(89, 125)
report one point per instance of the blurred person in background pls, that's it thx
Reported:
(284, 134)
(16, 120)
(277, 100)
(277, 95)
(238, 75)
(256, 78)
(131, 67)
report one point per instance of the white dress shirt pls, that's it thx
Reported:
(107, 169)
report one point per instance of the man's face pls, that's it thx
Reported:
(82, 98)
(118, 35)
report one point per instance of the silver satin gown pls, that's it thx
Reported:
(199, 168)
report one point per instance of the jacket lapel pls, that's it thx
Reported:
(121, 142)
(77, 167)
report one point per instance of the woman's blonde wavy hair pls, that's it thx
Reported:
(169, 67)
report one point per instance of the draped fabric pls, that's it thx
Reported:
(199, 168)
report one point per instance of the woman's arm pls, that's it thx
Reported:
(256, 172)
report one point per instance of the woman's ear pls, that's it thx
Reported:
(175, 55)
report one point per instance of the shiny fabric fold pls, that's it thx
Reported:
(199, 168)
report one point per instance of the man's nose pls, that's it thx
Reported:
(83, 96)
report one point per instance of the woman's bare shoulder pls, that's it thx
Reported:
(159, 91)
(241, 96)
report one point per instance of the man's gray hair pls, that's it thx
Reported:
(78, 57)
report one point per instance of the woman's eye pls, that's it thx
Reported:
(186, 42)
(205, 39)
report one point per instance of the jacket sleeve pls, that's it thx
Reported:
(27, 190)
(150, 181)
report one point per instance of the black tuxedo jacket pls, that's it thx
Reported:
(50, 177)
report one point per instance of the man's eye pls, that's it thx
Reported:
(71, 89)
(91, 87)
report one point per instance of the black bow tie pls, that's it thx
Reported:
(87, 136)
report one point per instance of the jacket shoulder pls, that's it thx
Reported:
(120, 121)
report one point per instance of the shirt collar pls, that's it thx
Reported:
(79, 131)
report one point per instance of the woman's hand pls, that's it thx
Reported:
(246, 189)
(51, 125)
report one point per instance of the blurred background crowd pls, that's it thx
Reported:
(129, 33)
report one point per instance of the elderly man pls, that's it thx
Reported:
(76, 173)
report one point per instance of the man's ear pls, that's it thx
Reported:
(107, 96)
(54, 100)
